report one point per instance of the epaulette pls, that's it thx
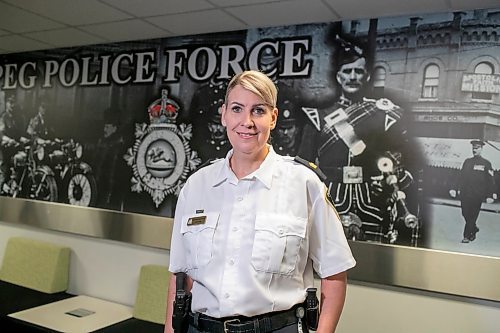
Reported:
(311, 166)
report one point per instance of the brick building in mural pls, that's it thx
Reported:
(447, 73)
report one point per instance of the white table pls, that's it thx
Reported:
(95, 314)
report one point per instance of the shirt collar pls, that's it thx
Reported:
(264, 173)
(224, 170)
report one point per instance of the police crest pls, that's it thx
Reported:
(161, 157)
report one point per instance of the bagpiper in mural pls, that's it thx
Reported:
(359, 144)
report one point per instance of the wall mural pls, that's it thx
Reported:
(402, 115)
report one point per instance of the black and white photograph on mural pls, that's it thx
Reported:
(400, 114)
(445, 69)
(361, 143)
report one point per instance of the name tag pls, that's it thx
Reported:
(197, 220)
(479, 167)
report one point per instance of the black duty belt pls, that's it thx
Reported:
(259, 324)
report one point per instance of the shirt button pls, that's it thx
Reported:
(226, 295)
(281, 231)
(235, 229)
(231, 262)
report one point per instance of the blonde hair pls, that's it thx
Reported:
(256, 82)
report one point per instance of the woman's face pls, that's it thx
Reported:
(248, 121)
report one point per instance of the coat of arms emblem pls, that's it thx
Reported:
(161, 157)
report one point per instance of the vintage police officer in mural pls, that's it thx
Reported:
(359, 143)
(475, 185)
(109, 165)
(286, 136)
(38, 126)
(11, 130)
(12, 120)
(209, 136)
(287, 133)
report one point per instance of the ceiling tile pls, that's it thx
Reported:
(198, 22)
(16, 43)
(126, 30)
(159, 7)
(74, 12)
(232, 3)
(477, 4)
(18, 21)
(65, 37)
(48, 23)
(372, 9)
(284, 12)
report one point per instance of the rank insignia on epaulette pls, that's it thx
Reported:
(311, 166)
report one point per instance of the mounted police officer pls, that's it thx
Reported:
(37, 126)
(11, 130)
(12, 121)
(359, 143)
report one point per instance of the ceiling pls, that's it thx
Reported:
(27, 25)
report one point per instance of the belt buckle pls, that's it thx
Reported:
(352, 175)
(226, 330)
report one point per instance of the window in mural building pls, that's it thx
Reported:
(483, 68)
(379, 74)
(431, 81)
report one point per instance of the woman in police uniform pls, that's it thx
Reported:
(250, 229)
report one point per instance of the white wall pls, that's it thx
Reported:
(380, 309)
(110, 270)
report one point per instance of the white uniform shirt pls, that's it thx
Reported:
(254, 246)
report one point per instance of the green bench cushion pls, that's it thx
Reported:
(36, 264)
(151, 300)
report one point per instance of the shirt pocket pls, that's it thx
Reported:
(277, 243)
(198, 238)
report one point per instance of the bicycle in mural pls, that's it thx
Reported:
(76, 180)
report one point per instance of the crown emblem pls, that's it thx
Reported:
(163, 110)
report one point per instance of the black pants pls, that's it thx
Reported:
(470, 211)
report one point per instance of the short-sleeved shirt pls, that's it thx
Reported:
(251, 244)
